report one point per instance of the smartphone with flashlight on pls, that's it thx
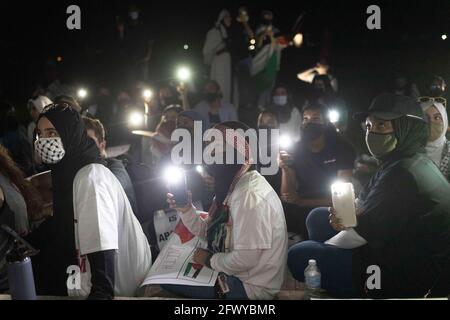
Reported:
(176, 182)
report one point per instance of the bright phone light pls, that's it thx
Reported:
(252, 41)
(444, 37)
(173, 175)
(199, 169)
(184, 74)
(339, 188)
(251, 48)
(285, 142)
(298, 40)
(186, 47)
(82, 93)
(136, 119)
(147, 94)
(333, 115)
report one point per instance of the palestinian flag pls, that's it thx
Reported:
(265, 66)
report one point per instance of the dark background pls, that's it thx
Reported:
(34, 33)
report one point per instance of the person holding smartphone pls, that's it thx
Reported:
(245, 229)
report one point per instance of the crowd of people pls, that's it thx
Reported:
(106, 159)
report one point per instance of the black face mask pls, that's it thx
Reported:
(211, 97)
(223, 175)
(312, 131)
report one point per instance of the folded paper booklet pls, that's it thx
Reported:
(175, 265)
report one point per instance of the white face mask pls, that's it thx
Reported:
(50, 150)
(134, 15)
(280, 100)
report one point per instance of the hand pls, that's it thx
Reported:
(284, 160)
(181, 88)
(358, 211)
(292, 198)
(321, 68)
(173, 204)
(335, 222)
(203, 257)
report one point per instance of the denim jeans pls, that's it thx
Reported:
(335, 264)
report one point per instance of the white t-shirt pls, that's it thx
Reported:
(259, 241)
(104, 220)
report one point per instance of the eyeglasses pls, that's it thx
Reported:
(64, 106)
(433, 99)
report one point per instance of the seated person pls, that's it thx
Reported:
(245, 229)
(268, 120)
(324, 94)
(212, 108)
(93, 226)
(96, 131)
(318, 160)
(197, 179)
(403, 216)
(20, 206)
(438, 147)
(288, 115)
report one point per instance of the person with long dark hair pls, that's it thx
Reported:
(20, 205)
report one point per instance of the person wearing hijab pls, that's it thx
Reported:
(35, 107)
(245, 228)
(93, 226)
(438, 147)
(403, 217)
(216, 54)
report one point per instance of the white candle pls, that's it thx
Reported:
(343, 197)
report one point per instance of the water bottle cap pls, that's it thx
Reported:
(312, 262)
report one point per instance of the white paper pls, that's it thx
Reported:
(347, 239)
(174, 265)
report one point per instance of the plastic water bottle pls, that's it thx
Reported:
(312, 280)
(20, 276)
(163, 228)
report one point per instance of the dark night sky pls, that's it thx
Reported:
(35, 31)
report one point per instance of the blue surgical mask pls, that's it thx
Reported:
(280, 100)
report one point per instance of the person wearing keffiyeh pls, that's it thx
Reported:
(245, 228)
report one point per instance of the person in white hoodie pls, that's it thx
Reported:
(35, 107)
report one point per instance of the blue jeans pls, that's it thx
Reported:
(237, 291)
(335, 264)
